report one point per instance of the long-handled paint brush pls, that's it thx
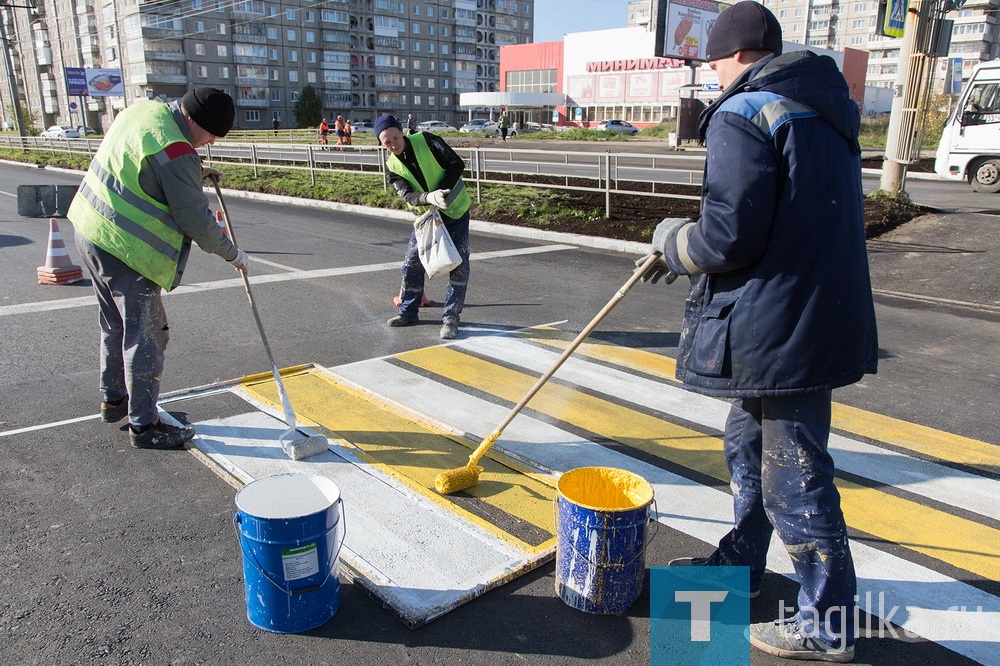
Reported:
(295, 445)
(461, 478)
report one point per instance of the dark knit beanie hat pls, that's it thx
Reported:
(384, 122)
(747, 25)
(211, 108)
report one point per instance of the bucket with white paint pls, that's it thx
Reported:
(602, 516)
(291, 528)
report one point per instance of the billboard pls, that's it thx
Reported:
(682, 27)
(87, 81)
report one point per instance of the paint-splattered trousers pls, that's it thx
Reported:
(458, 279)
(134, 332)
(782, 479)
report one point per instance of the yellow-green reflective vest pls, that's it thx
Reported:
(458, 199)
(110, 208)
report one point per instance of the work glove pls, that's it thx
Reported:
(658, 270)
(663, 230)
(437, 198)
(241, 262)
(207, 173)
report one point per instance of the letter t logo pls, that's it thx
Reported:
(701, 611)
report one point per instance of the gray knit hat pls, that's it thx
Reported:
(747, 25)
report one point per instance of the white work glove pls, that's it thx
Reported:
(241, 262)
(207, 173)
(438, 198)
(658, 270)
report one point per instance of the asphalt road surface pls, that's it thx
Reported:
(114, 555)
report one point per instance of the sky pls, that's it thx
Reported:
(554, 18)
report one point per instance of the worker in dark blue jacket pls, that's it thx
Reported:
(780, 312)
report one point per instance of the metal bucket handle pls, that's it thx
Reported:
(256, 565)
(649, 539)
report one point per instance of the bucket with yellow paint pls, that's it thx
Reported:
(602, 516)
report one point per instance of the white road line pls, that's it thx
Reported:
(66, 303)
(255, 258)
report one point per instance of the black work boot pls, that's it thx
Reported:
(160, 435)
(402, 320)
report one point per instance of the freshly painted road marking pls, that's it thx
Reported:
(234, 283)
(953, 539)
(915, 597)
(909, 436)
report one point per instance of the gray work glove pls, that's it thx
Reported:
(241, 262)
(437, 198)
(663, 230)
(207, 174)
(656, 271)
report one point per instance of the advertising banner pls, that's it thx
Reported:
(683, 26)
(86, 81)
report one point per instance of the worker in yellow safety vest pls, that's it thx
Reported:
(139, 207)
(425, 171)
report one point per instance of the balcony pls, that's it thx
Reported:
(254, 81)
(171, 79)
(161, 33)
(177, 56)
(247, 38)
(250, 60)
(249, 103)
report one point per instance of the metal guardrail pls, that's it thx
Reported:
(645, 175)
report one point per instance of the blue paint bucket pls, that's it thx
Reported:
(291, 528)
(602, 515)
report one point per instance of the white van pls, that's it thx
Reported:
(970, 144)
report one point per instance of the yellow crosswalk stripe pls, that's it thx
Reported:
(958, 541)
(896, 432)
(411, 450)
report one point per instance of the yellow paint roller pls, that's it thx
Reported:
(454, 480)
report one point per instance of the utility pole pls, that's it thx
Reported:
(11, 81)
(910, 93)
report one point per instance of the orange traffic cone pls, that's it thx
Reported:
(398, 300)
(58, 269)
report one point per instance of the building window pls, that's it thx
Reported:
(290, 14)
(310, 37)
(220, 28)
(222, 50)
(430, 47)
(416, 82)
(199, 49)
(311, 57)
(223, 72)
(201, 71)
(196, 5)
(416, 47)
(444, 14)
(291, 35)
(252, 116)
(311, 77)
(293, 56)
(294, 96)
(430, 84)
(275, 95)
(199, 26)
(272, 33)
(272, 54)
(293, 75)
(416, 100)
(444, 49)
(415, 29)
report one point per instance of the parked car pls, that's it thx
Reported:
(435, 126)
(618, 127)
(362, 128)
(480, 126)
(88, 130)
(61, 132)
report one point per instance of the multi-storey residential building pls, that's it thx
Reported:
(836, 24)
(364, 57)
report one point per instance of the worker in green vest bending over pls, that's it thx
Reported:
(138, 208)
(425, 171)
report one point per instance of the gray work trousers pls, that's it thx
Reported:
(134, 333)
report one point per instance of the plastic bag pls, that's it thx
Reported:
(437, 251)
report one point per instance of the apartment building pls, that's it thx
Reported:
(364, 57)
(840, 24)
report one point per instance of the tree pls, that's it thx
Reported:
(29, 116)
(309, 108)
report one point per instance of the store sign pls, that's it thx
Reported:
(76, 81)
(682, 27)
(633, 64)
